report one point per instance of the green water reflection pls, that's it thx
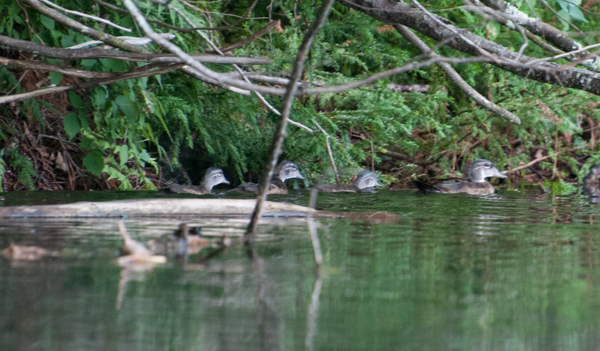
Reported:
(515, 271)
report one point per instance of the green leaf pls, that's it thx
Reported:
(94, 162)
(86, 143)
(564, 14)
(66, 41)
(88, 64)
(47, 22)
(144, 156)
(71, 124)
(563, 4)
(55, 78)
(76, 100)
(127, 107)
(123, 154)
(14, 12)
(576, 14)
(99, 97)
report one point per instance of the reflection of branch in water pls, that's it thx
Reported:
(267, 318)
(313, 313)
(312, 229)
(313, 309)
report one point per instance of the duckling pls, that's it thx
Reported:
(591, 182)
(475, 184)
(185, 240)
(365, 181)
(212, 177)
(284, 170)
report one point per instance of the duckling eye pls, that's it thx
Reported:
(488, 165)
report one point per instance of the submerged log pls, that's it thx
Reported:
(154, 208)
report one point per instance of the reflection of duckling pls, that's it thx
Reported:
(195, 242)
(284, 170)
(475, 183)
(27, 253)
(591, 182)
(365, 181)
(212, 177)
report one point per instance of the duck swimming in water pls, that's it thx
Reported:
(212, 177)
(591, 182)
(365, 181)
(284, 170)
(475, 183)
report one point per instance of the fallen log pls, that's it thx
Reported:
(154, 208)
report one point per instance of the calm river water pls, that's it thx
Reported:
(513, 271)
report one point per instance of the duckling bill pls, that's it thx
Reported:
(365, 181)
(212, 177)
(475, 183)
(285, 170)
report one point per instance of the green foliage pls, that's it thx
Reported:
(123, 129)
(22, 166)
(560, 187)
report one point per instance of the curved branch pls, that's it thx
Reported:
(90, 84)
(84, 15)
(34, 65)
(59, 17)
(94, 53)
(397, 12)
(511, 17)
(456, 78)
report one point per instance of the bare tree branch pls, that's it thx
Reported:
(398, 12)
(59, 17)
(94, 18)
(87, 85)
(456, 78)
(175, 28)
(279, 135)
(509, 13)
(34, 65)
(68, 54)
(252, 37)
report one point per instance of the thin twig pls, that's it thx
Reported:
(331, 159)
(279, 135)
(559, 16)
(237, 68)
(87, 85)
(456, 78)
(516, 169)
(570, 53)
(83, 29)
(80, 14)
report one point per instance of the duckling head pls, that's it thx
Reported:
(287, 170)
(366, 179)
(213, 176)
(478, 170)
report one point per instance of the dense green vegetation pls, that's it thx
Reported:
(116, 136)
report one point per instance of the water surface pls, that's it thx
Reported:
(513, 271)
